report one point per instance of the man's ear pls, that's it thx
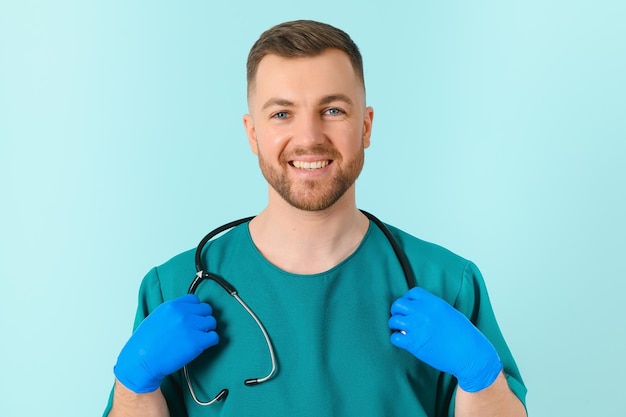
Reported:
(368, 120)
(248, 124)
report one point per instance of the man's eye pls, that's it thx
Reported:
(280, 115)
(334, 111)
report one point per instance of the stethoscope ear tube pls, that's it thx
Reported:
(211, 235)
(404, 261)
(200, 274)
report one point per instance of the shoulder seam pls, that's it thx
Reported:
(158, 278)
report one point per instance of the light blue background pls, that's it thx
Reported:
(500, 132)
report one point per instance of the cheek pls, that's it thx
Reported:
(271, 140)
(350, 137)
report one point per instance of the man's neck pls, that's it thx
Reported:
(308, 242)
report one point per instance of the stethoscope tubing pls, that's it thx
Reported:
(202, 275)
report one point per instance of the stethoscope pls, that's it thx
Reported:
(201, 275)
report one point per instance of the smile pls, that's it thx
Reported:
(310, 165)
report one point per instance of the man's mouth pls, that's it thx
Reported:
(310, 165)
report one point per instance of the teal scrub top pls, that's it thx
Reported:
(329, 331)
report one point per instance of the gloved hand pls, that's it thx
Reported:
(174, 334)
(436, 333)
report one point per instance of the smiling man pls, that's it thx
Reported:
(309, 126)
(346, 336)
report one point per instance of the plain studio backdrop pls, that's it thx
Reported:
(499, 132)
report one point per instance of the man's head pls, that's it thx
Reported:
(308, 122)
(302, 38)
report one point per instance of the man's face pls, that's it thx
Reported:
(309, 126)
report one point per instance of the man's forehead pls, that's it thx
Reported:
(331, 69)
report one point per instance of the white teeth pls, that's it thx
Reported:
(310, 165)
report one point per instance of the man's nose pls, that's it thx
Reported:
(308, 130)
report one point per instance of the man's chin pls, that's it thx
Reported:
(312, 200)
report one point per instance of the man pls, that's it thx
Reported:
(349, 337)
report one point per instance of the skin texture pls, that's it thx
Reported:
(311, 113)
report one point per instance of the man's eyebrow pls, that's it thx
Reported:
(277, 102)
(335, 97)
(281, 102)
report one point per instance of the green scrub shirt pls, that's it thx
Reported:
(329, 331)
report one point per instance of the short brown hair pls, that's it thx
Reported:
(302, 38)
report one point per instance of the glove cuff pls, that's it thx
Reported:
(136, 385)
(484, 378)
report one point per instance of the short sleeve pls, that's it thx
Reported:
(473, 301)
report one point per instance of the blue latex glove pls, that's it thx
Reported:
(439, 335)
(173, 335)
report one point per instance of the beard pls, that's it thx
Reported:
(313, 194)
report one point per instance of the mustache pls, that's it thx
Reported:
(329, 152)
